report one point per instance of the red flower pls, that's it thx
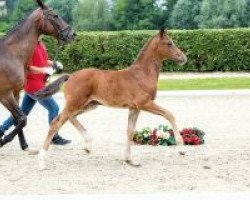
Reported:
(154, 140)
(195, 140)
(171, 132)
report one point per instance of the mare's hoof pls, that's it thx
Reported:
(1, 143)
(133, 163)
(25, 148)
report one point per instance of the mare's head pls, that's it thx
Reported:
(49, 23)
(166, 48)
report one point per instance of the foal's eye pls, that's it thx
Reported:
(56, 16)
(170, 44)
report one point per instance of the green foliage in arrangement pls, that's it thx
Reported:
(207, 50)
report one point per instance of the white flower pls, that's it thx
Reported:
(165, 135)
(145, 135)
(159, 134)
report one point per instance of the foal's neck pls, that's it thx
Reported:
(22, 41)
(149, 63)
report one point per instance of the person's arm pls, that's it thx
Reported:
(35, 70)
(39, 70)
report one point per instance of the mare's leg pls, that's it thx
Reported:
(11, 104)
(132, 119)
(158, 110)
(22, 141)
(55, 125)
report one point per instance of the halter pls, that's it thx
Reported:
(63, 34)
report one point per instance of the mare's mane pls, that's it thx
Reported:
(13, 31)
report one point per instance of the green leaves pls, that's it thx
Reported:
(136, 14)
(223, 14)
(92, 15)
(207, 50)
(64, 8)
(184, 14)
(22, 8)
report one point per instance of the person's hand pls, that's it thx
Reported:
(48, 70)
(59, 65)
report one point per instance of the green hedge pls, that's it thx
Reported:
(207, 50)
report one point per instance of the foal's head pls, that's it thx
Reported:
(168, 50)
(49, 23)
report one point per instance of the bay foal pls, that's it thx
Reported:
(133, 88)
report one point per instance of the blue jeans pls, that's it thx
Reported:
(27, 105)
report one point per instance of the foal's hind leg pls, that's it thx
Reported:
(55, 125)
(132, 119)
(87, 139)
(83, 132)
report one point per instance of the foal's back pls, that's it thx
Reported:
(116, 88)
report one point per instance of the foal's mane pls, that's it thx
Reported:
(144, 49)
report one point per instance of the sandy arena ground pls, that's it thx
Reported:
(221, 165)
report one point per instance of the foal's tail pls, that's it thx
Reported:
(52, 88)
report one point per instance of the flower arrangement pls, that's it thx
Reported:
(164, 135)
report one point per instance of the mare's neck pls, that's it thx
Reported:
(22, 41)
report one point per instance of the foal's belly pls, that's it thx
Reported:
(115, 102)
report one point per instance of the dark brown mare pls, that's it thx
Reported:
(15, 50)
(133, 88)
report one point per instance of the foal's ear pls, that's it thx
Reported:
(163, 31)
(41, 4)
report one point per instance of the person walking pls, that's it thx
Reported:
(39, 67)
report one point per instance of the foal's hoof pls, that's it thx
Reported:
(87, 147)
(41, 162)
(133, 163)
(32, 152)
(182, 153)
(42, 166)
(87, 150)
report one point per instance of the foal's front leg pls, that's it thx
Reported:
(158, 110)
(132, 119)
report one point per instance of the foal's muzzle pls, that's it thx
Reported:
(180, 59)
